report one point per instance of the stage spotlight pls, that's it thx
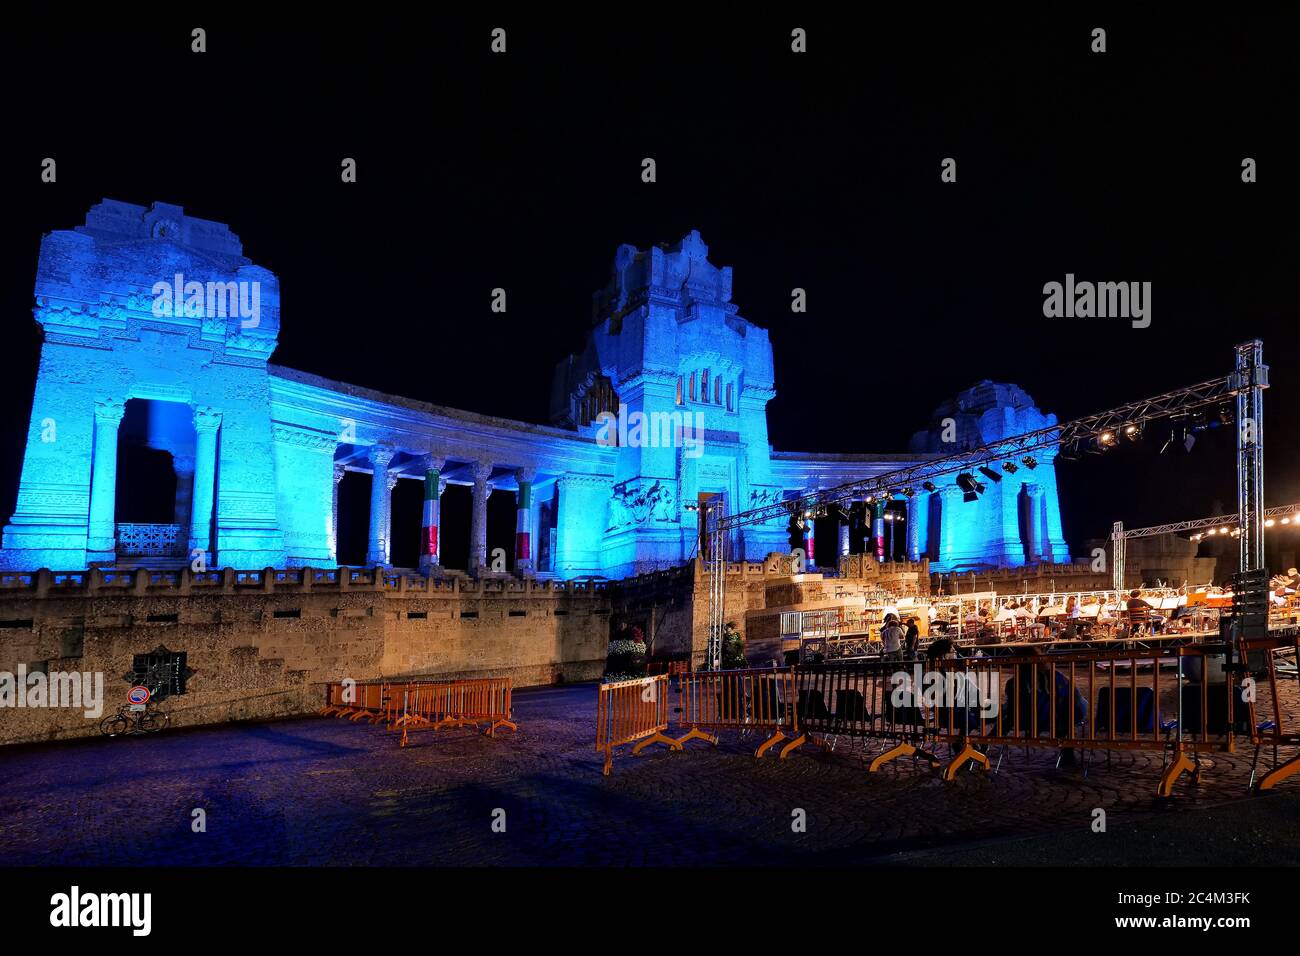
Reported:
(1030, 462)
(1010, 467)
(1269, 523)
(1132, 432)
(929, 486)
(908, 492)
(990, 474)
(971, 488)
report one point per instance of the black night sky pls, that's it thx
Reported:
(818, 171)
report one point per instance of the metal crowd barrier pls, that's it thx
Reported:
(355, 701)
(632, 712)
(855, 699)
(434, 704)
(1271, 730)
(744, 700)
(1088, 700)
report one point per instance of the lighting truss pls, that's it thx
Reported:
(1245, 385)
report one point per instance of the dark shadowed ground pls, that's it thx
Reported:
(325, 791)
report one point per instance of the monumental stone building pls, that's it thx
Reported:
(158, 333)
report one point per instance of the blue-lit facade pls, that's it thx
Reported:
(663, 411)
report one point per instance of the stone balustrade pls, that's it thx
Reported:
(103, 582)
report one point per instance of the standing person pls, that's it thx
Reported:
(912, 638)
(891, 636)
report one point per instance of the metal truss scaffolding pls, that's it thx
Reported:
(1245, 385)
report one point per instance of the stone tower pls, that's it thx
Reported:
(156, 318)
(669, 352)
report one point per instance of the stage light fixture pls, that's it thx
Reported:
(929, 486)
(1030, 462)
(908, 492)
(990, 474)
(971, 489)
(1010, 467)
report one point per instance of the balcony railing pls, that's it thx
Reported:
(151, 541)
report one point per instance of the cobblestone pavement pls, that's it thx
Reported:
(326, 791)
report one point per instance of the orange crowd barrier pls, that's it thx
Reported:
(632, 712)
(462, 703)
(758, 699)
(355, 701)
(435, 704)
(1179, 701)
(1267, 724)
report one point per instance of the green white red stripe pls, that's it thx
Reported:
(523, 539)
(429, 523)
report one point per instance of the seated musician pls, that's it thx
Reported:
(1139, 611)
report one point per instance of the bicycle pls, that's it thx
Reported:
(129, 720)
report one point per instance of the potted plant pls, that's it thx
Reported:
(733, 648)
(625, 659)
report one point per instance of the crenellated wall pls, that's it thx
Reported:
(261, 642)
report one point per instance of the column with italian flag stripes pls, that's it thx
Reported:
(429, 522)
(524, 478)
(878, 527)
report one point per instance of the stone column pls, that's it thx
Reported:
(377, 549)
(339, 472)
(206, 423)
(388, 519)
(950, 501)
(810, 542)
(478, 523)
(101, 538)
(183, 468)
(433, 488)
(1034, 522)
(878, 528)
(524, 477)
(918, 526)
